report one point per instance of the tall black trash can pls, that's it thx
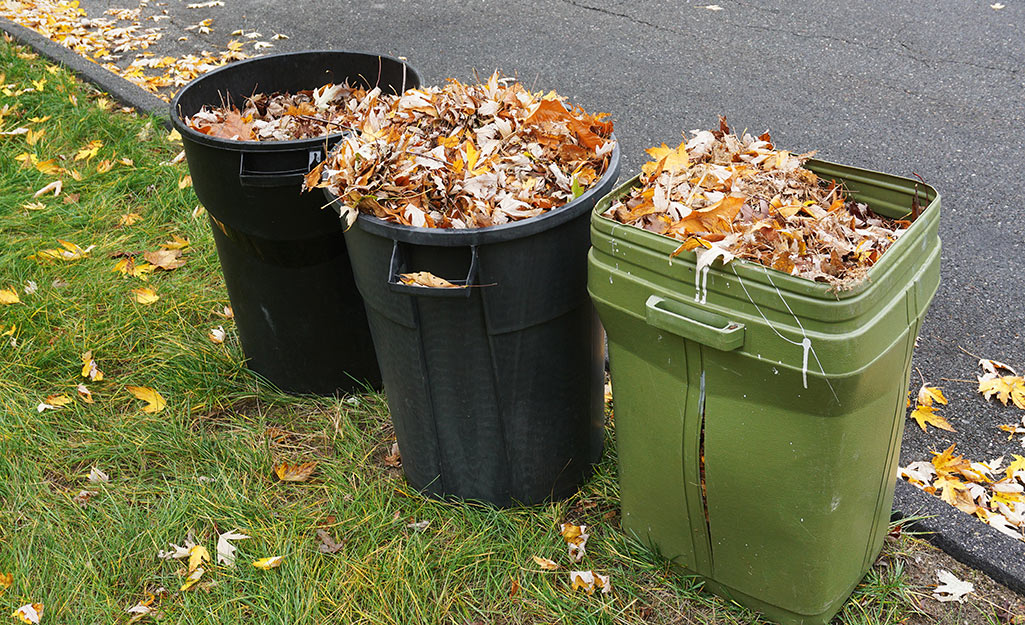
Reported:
(495, 390)
(300, 318)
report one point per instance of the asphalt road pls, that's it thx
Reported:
(934, 88)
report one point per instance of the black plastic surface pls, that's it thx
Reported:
(498, 395)
(300, 319)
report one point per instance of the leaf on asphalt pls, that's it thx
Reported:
(226, 550)
(268, 563)
(951, 588)
(145, 296)
(928, 394)
(927, 415)
(29, 613)
(327, 542)
(154, 402)
(9, 296)
(1006, 387)
(192, 578)
(590, 581)
(294, 472)
(546, 564)
(216, 335)
(89, 368)
(53, 187)
(576, 540)
(427, 279)
(53, 402)
(166, 259)
(85, 394)
(97, 476)
(995, 367)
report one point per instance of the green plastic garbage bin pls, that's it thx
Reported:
(759, 415)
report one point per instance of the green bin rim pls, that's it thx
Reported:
(757, 272)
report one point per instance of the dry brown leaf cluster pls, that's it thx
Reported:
(279, 116)
(467, 156)
(743, 198)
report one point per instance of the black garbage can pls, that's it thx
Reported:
(496, 389)
(300, 318)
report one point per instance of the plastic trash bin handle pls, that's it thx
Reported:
(252, 176)
(399, 264)
(694, 323)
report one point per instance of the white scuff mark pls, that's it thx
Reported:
(705, 258)
(806, 345)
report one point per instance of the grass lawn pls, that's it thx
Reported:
(204, 463)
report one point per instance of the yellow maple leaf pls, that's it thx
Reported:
(129, 219)
(927, 415)
(1004, 387)
(48, 167)
(269, 563)
(948, 487)
(946, 463)
(177, 243)
(145, 296)
(9, 296)
(928, 394)
(185, 181)
(57, 400)
(294, 472)
(32, 137)
(89, 150)
(6, 580)
(154, 402)
(128, 267)
(1018, 464)
(667, 159)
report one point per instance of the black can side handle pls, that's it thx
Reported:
(252, 173)
(399, 265)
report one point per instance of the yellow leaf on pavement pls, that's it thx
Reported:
(294, 472)
(926, 415)
(9, 296)
(154, 402)
(269, 563)
(928, 394)
(145, 296)
(1004, 387)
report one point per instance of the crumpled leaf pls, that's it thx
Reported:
(128, 267)
(179, 552)
(928, 394)
(327, 542)
(427, 279)
(97, 476)
(269, 563)
(576, 540)
(85, 394)
(951, 588)
(294, 472)
(590, 581)
(154, 402)
(226, 550)
(53, 402)
(192, 579)
(198, 556)
(166, 259)
(29, 613)
(89, 368)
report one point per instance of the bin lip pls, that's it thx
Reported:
(451, 237)
(756, 271)
(413, 80)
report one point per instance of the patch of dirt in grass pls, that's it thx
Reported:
(990, 603)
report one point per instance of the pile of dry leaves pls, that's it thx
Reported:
(739, 197)
(278, 116)
(467, 156)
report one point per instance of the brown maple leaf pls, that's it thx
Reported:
(294, 472)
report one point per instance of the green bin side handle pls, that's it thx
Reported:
(694, 323)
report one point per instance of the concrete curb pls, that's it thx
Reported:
(967, 540)
(119, 88)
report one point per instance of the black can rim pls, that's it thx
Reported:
(450, 237)
(268, 146)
